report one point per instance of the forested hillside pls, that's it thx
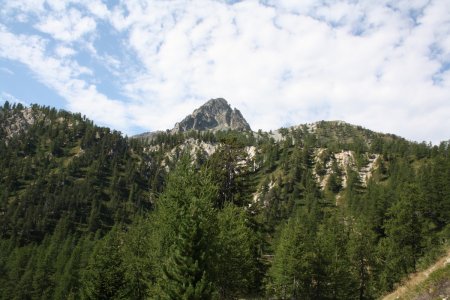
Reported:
(318, 211)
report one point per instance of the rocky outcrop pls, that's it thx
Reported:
(18, 122)
(215, 115)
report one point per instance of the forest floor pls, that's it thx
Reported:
(437, 290)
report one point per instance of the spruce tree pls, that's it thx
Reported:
(361, 248)
(139, 258)
(185, 273)
(297, 268)
(187, 225)
(236, 266)
(403, 244)
(104, 277)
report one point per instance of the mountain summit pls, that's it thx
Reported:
(216, 114)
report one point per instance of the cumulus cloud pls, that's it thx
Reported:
(366, 63)
(63, 51)
(68, 26)
(381, 64)
(64, 76)
(4, 96)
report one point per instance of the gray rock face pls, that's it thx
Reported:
(19, 121)
(216, 114)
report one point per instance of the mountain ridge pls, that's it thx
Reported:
(217, 115)
(214, 115)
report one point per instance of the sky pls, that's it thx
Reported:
(139, 66)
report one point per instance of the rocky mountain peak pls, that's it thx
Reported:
(216, 114)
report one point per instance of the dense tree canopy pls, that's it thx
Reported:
(86, 213)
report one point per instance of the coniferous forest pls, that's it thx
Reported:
(338, 212)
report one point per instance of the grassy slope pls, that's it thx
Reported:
(432, 283)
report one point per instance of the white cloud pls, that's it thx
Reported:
(358, 61)
(4, 96)
(97, 8)
(68, 26)
(18, 7)
(64, 76)
(380, 64)
(63, 51)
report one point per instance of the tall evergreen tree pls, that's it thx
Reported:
(104, 277)
(139, 258)
(188, 224)
(237, 264)
(361, 248)
(403, 244)
(298, 267)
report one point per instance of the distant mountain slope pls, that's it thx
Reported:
(48, 152)
(336, 147)
(57, 166)
(217, 115)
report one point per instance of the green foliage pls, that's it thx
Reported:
(187, 214)
(229, 174)
(104, 277)
(237, 265)
(59, 166)
(291, 271)
(332, 261)
(205, 252)
(403, 244)
(186, 269)
(139, 258)
(87, 213)
(362, 258)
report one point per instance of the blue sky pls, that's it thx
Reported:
(143, 65)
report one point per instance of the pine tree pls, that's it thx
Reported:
(236, 267)
(187, 225)
(104, 277)
(68, 284)
(229, 174)
(185, 273)
(404, 242)
(361, 248)
(297, 268)
(139, 258)
(282, 275)
(332, 242)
